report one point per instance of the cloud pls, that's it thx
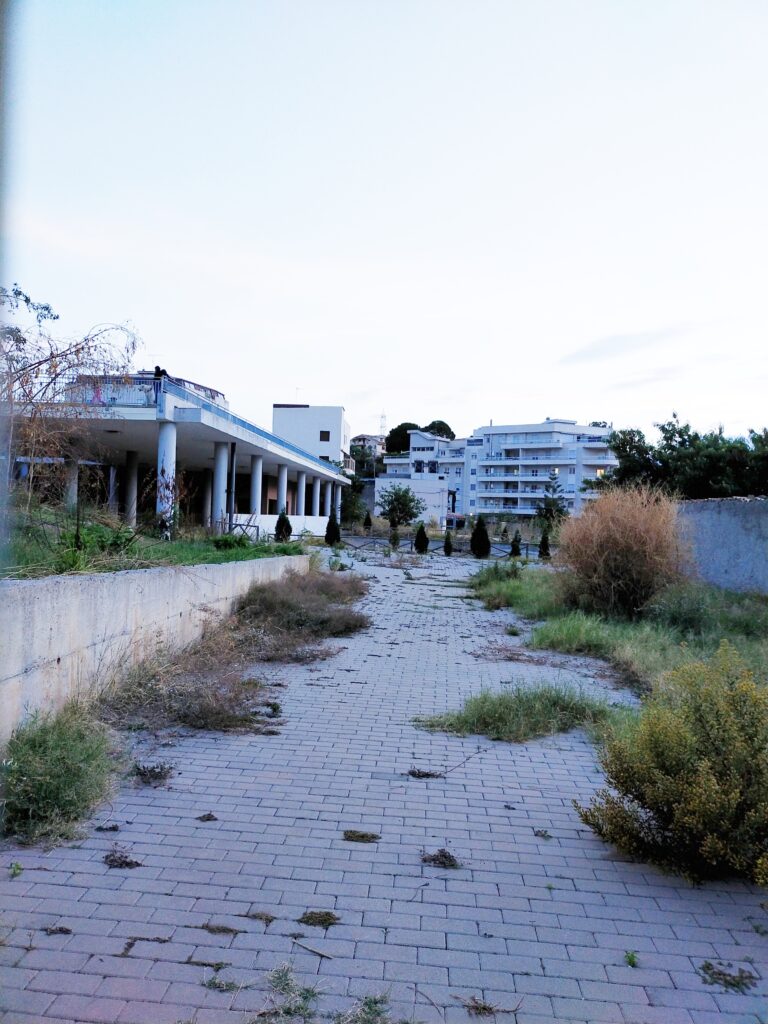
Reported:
(649, 379)
(625, 344)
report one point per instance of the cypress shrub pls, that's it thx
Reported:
(515, 550)
(367, 524)
(421, 540)
(448, 544)
(480, 542)
(283, 529)
(544, 551)
(332, 531)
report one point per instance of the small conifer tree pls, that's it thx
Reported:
(421, 540)
(544, 545)
(480, 542)
(394, 540)
(283, 528)
(448, 544)
(515, 550)
(505, 533)
(367, 524)
(332, 531)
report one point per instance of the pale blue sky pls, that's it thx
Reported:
(467, 210)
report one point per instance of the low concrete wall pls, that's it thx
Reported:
(729, 541)
(62, 635)
(314, 525)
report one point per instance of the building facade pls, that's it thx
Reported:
(321, 430)
(500, 470)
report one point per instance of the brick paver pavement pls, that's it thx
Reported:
(540, 915)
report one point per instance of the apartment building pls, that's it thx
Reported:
(500, 470)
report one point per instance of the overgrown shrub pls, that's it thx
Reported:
(332, 531)
(515, 549)
(448, 544)
(283, 529)
(544, 551)
(231, 541)
(690, 774)
(57, 767)
(480, 542)
(421, 540)
(621, 551)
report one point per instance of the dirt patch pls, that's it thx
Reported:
(117, 858)
(441, 858)
(423, 773)
(319, 918)
(353, 836)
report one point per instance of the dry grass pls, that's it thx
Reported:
(621, 551)
(202, 687)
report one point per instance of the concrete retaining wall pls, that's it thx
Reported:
(61, 635)
(314, 525)
(729, 541)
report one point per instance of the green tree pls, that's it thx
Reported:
(398, 439)
(515, 549)
(283, 528)
(352, 504)
(440, 429)
(480, 542)
(400, 505)
(448, 544)
(394, 540)
(332, 531)
(544, 551)
(553, 509)
(421, 540)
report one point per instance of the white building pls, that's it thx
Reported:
(376, 443)
(500, 470)
(321, 430)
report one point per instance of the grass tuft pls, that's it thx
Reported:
(319, 918)
(56, 768)
(521, 713)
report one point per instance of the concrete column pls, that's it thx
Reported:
(131, 487)
(112, 499)
(70, 483)
(257, 474)
(166, 471)
(282, 487)
(338, 502)
(207, 497)
(315, 495)
(301, 493)
(220, 469)
(327, 498)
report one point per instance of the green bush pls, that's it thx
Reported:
(421, 540)
(480, 542)
(394, 540)
(283, 529)
(367, 523)
(690, 775)
(448, 544)
(231, 541)
(57, 767)
(515, 549)
(544, 551)
(332, 531)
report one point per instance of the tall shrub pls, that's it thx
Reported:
(690, 776)
(283, 528)
(421, 540)
(621, 551)
(544, 551)
(480, 542)
(367, 523)
(515, 549)
(332, 531)
(448, 544)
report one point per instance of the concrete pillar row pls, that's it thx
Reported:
(166, 471)
(257, 476)
(71, 473)
(131, 486)
(207, 497)
(282, 487)
(327, 498)
(315, 495)
(301, 493)
(220, 470)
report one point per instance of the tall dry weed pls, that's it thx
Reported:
(621, 551)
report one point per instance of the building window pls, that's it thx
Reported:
(325, 435)
(473, 487)
(571, 471)
(534, 472)
(325, 458)
(472, 501)
(473, 472)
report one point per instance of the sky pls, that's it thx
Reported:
(467, 210)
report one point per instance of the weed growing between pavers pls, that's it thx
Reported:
(57, 929)
(353, 836)
(289, 1000)
(719, 974)
(476, 1006)
(262, 915)
(220, 929)
(441, 858)
(319, 918)
(14, 869)
(521, 713)
(217, 984)
(119, 858)
(208, 816)
(153, 774)
(56, 768)
(114, 827)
